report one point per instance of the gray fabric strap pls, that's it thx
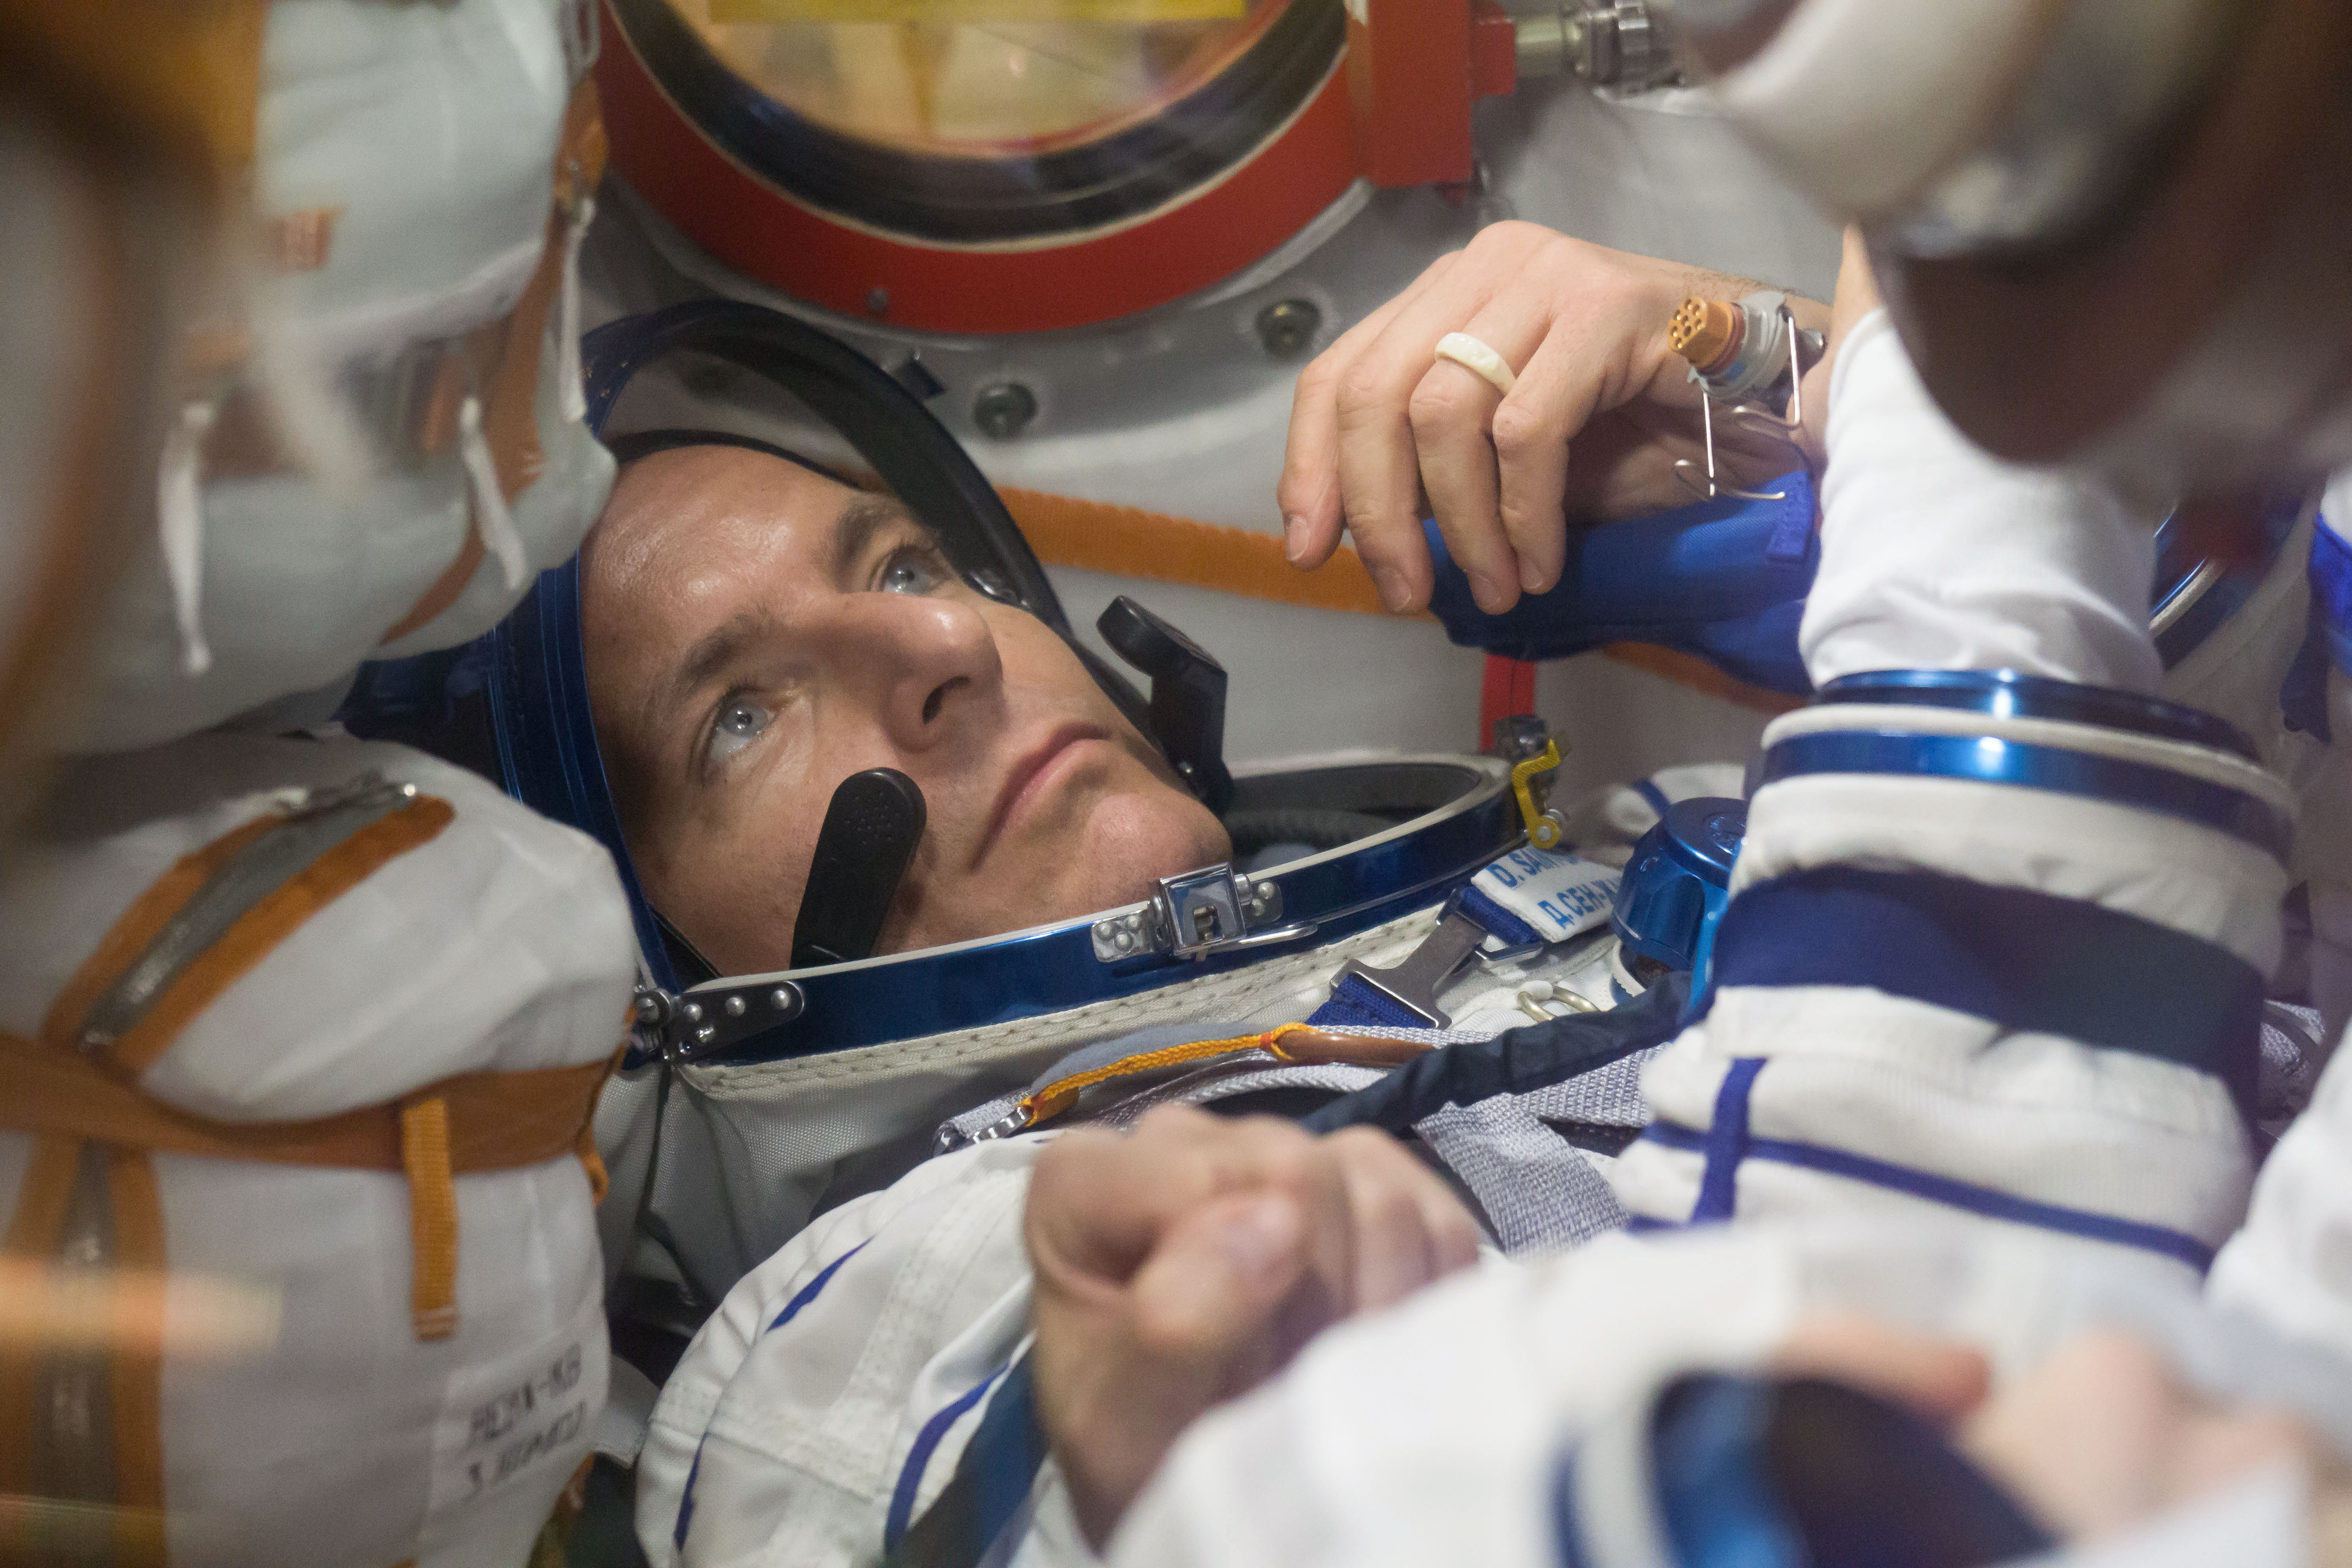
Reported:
(1538, 1190)
(1608, 1096)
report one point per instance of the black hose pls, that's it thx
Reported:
(1517, 1061)
(1320, 827)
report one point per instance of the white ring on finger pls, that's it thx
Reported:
(1479, 360)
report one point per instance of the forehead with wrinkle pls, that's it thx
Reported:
(692, 500)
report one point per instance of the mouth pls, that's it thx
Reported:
(1033, 776)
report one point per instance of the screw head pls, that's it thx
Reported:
(877, 301)
(781, 1000)
(1003, 410)
(693, 1011)
(735, 1006)
(1288, 327)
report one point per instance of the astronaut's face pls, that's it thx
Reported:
(757, 632)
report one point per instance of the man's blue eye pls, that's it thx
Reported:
(909, 572)
(740, 722)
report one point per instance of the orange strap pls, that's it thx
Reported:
(246, 944)
(511, 391)
(129, 1529)
(1300, 1045)
(1128, 541)
(432, 1216)
(497, 1120)
(185, 77)
(135, 1370)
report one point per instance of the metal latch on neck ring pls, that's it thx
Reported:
(706, 1021)
(1210, 910)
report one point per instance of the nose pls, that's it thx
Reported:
(919, 665)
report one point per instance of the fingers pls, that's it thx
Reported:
(1409, 1230)
(1554, 398)
(1453, 412)
(1395, 393)
(1205, 1306)
(1940, 1379)
(1100, 1203)
(2103, 1435)
(1857, 296)
(1309, 491)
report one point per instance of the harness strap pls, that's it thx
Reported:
(494, 1121)
(1297, 1045)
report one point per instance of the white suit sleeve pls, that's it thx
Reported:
(824, 1405)
(1995, 951)
(1935, 556)
(2290, 1265)
(1446, 1429)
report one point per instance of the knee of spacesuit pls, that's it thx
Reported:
(303, 1034)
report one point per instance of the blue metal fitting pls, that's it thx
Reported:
(1672, 894)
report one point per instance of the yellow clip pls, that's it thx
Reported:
(1544, 829)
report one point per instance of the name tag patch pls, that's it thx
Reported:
(519, 1416)
(1560, 896)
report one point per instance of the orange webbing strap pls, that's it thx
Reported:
(138, 925)
(511, 389)
(43, 1199)
(475, 1122)
(184, 79)
(135, 1361)
(1299, 1045)
(498, 1120)
(432, 1216)
(1128, 541)
(129, 1528)
(261, 928)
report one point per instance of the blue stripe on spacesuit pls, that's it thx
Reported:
(919, 1459)
(808, 1292)
(801, 1298)
(2029, 961)
(1726, 1140)
(1989, 759)
(1945, 1190)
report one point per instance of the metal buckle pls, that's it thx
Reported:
(1213, 910)
(686, 1028)
(1415, 983)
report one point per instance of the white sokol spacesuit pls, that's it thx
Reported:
(1880, 1050)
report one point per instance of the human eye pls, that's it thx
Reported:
(741, 719)
(912, 568)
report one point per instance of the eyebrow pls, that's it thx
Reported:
(860, 518)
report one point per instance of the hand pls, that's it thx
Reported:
(1185, 1263)
(2103, 1436)
(1600, 411)
(2098, 1437)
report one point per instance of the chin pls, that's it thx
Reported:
(1131, 841)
